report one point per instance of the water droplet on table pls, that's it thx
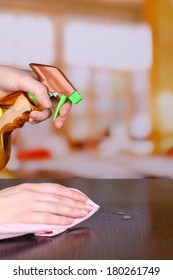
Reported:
(126, 217)
(120, 213)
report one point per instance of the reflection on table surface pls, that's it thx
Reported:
(135, 221)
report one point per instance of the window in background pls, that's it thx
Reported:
(115, 58)
(113, 46)
(26, 38)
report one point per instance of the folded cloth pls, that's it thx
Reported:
(14, 230)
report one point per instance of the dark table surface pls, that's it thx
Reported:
(135, 221)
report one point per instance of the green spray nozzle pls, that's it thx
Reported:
(75, 98)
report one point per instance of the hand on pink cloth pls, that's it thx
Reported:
(14, 230)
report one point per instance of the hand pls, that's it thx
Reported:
(43, 203)
(12, 80)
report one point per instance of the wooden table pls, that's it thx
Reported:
(135, 221)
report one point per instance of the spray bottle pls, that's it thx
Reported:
(15, 108)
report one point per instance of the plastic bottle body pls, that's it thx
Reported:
(15, 110)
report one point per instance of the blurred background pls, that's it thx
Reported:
(118, 54)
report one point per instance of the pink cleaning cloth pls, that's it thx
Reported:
(14, 230)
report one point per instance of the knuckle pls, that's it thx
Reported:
(25, 191)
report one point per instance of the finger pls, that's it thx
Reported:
(52, 198)
(63, 114)
(65, 109)
(27, 83)
(39, 116)
(48, 218)
(59, 122)
(59, 209)
(56, 189)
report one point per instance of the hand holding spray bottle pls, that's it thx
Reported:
(15, 108)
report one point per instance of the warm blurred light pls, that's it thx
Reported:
(125, 2)
(164, 105)
(112, 46)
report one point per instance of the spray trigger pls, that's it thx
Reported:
(75, 98)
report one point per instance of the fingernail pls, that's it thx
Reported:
(83, 197)
(31, 121)
(88, 206)
(60, 124)
(47, 103)
(84, 212)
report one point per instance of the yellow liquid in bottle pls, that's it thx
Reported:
(14, 112)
